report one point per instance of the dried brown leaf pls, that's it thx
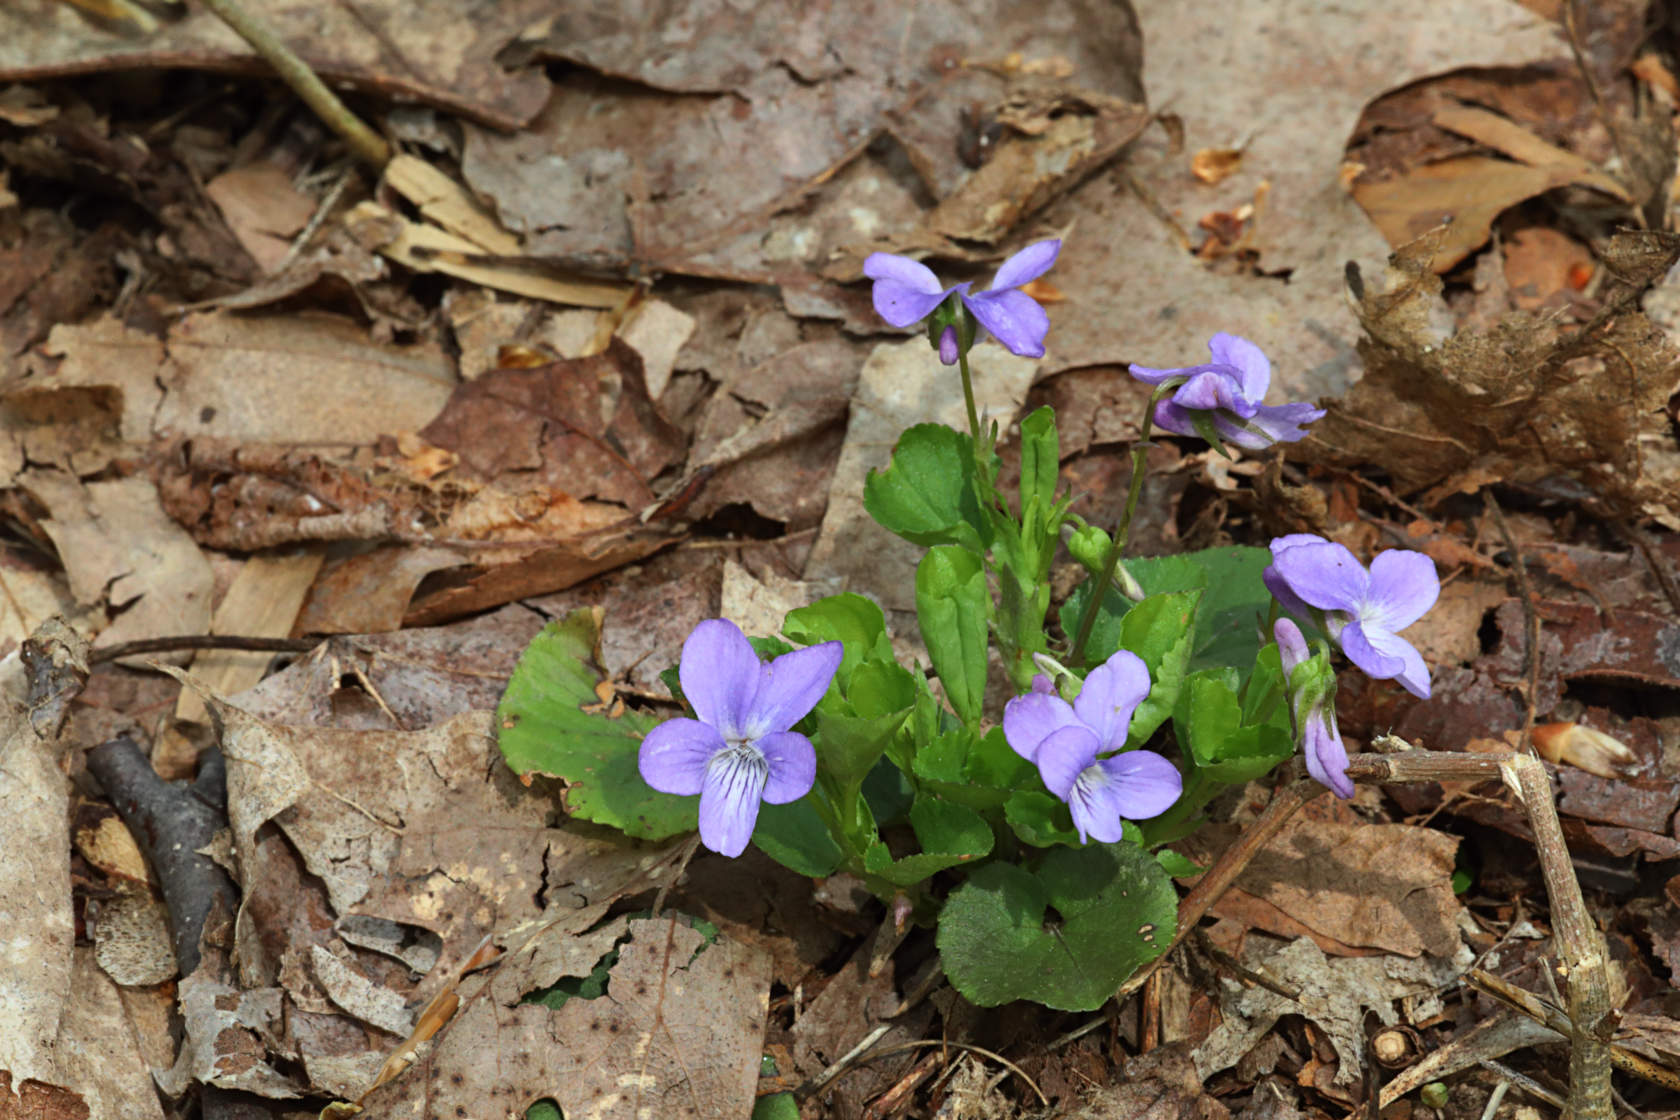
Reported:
(295, 379)
(678, 1034)
(444, 56)
(1382, 886)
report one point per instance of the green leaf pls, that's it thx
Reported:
(847, 618)
(887, 793)
(796, 836)
(776, 1106)
(880, 688)
(1234, 598)
(993, 762)
(1264, 696)
(1040, 819)
(926, 494)
(1040, 459)
(1210, 729)
(1160, 631)
(980, 772)
(1178, 866)
(848, 746)
(949, 834)
(952, 603)
(551, 721)
(1105, 632)
(1067, 936)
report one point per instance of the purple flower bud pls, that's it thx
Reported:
(948, 346)
(1312, 703)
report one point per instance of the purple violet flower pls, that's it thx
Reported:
(907, 292)
(1064, 740)
(1363, 611)
(1226, 393)
(1314, 708)
(740, 750)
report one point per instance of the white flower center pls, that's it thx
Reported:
(740, 761)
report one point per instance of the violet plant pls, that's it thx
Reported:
(1035, 836)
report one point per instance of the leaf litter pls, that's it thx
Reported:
(554, 360)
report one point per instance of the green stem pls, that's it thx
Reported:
(1099, 589)
(968, 399)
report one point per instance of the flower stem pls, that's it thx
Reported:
(968, 398)
(1099, 588)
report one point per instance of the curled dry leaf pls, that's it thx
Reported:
(1521, 401)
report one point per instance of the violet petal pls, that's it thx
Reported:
(793, 766)
(1112, 692)
(674, 755)
(1150, 376)
(1357, 643)
(1063, 755)
(790, 686)
(1027, 265)
(729, 799)
(903, 306)
(912, 275)
(1031, 718)
(1326, 757)
(1091, 801)
(1212, 388)
(1325, 575)
(1413, 673)
(1014, 319)
(1281, 423)
(1280, 589)
(719, 674)
(1142, 784)
(1403, 587)
(1292, 645)
(1254, 369)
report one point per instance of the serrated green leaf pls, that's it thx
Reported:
(550, 721)
(952, 604)
(1264, 696)
(849, 746)
(993, 762)
(1114, 909)
(949, 834)
(926, 494)
(847, 618)
(980, 773)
